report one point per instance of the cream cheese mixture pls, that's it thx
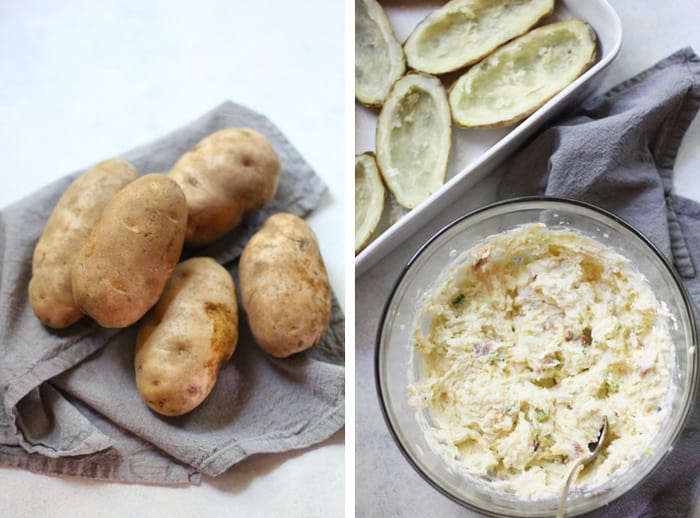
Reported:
(524, 346)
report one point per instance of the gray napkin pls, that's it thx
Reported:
(618, 153)
(69, 400)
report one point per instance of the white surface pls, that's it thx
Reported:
(386, 485)
(475, 152)
(82, 81)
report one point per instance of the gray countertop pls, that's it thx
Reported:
(385, 484)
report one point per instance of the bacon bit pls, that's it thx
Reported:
(536, 445)
(644, 371)
(578, 449)
(482, 261)
(586, 338)
(569, 335)
(616, 413)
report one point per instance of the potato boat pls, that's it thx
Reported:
(379, 59)
(414, 136)
(285, 292)
(523, 75)
(462, 32)
(369, 198)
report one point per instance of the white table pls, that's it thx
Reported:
(385, 484)
(83, 81)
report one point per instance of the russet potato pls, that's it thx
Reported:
(369, 199)
(227, 175)
(284, 286)
(379, 58)
(124, 265)
(414, 138)
(186, 337)
(68, 228)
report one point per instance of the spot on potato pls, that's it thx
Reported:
(118, 284)
(182, 347)
(131, 224)
(223, 335)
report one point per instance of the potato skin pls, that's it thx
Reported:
(68, 228)
(227, 175)
(284, 286)
(132, 251)
(186, 337)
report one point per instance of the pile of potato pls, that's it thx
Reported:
(508, 70)
(111, 251)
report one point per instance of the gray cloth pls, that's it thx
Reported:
(69, 399)
(618, 153)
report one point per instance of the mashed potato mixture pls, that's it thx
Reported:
(525, 345)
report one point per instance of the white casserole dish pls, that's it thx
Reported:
(475, 153)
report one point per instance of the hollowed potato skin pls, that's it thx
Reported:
(183, 341)
(67, 229)
(131, 253)
(227, 175)
(284, 286)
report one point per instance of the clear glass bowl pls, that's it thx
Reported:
(393, 350)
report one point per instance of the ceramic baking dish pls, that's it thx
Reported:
(475, 153)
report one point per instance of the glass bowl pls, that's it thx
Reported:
(392, 356)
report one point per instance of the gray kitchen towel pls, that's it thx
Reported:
(618, 152)
(69, 399)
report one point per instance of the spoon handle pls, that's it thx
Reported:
(582, 462)
(569, 480)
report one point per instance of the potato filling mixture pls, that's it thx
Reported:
(525, 345)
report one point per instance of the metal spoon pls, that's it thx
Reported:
(582, 462)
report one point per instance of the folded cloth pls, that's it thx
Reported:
(69, 399)
(618, 152)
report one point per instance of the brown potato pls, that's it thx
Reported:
(186, 337)
(131, 253)
(284, 286)
(68, 228)
(225, 176)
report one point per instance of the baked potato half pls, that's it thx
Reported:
(414, 136)
(187, 337)
(369, 198)
(522, 75)
(462, 32)
(379, 58)
(229, 174)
